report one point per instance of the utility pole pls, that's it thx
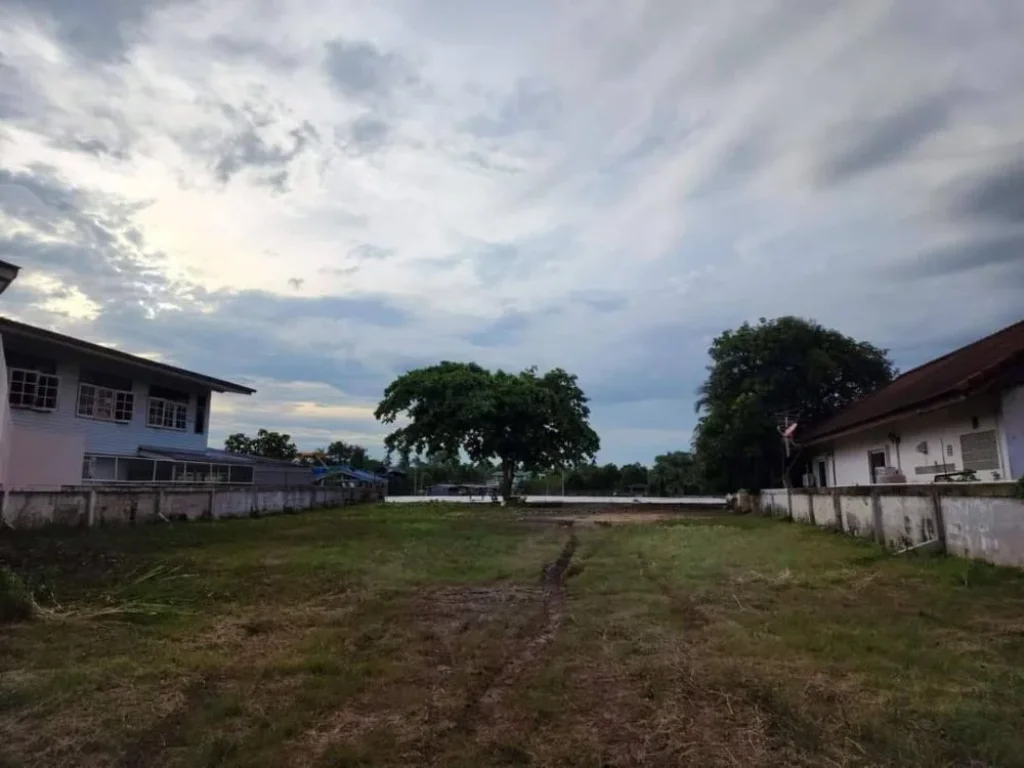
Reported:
(787, 426)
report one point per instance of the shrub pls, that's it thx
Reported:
(16, 603)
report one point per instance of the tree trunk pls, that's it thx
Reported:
(508, 473)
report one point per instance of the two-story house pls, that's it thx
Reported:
(79, 412)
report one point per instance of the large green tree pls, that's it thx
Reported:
(759, 372)
(524, 421)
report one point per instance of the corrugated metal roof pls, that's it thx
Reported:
(208, 455)
(358, 474)
(957, 374)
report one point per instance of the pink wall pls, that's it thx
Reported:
(43, 460)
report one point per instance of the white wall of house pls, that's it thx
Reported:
(6, 423)
(1012, 422)
(107, 437)
(941, 432)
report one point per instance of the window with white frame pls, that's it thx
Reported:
(167, 414)
(32, 389)
(105, 403)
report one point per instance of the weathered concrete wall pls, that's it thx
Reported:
(116, 506)
(907, 520)
(988, 529)
(94, 506)
(858, 516)
(979, 520)
(31, 509)
(801, 508)
(773, 502)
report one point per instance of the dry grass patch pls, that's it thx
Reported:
(432, 636)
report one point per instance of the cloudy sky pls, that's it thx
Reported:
(311, 196)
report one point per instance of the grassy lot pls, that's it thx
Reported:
(426, 636)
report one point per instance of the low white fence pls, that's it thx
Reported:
(677, 501)
(94, 506)
(978, 520)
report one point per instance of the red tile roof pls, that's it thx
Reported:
(949, 377)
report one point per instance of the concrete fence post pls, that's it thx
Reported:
(940, 520)
(90, 508)
(876, 516)
(837, 508)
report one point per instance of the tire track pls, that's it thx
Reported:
(482, 705)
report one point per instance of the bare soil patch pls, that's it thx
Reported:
(601, 518)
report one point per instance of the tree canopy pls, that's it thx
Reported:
(340, 452)
(674, 474)
(271, 445)
(757, 372)
(523, 420)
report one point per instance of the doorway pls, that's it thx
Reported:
(822, 474)
(876, 460)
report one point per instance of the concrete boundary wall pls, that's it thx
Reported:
(99, 505)
(977, 520)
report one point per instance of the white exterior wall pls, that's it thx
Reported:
(107, 437)
(1012, 421)
(847, 457)
(6, 423)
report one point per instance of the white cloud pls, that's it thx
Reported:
(602, 186)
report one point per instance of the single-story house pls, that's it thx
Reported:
(960, 416)
(347, 476)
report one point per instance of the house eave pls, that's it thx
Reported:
(14, 329)
(888, 418)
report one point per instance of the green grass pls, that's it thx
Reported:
(398, 636)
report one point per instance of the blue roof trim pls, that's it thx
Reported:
(358, 474)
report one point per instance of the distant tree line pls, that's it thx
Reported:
(530, 433)
(278, 445)
(671, 474)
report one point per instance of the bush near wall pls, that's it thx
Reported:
(16, 603)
